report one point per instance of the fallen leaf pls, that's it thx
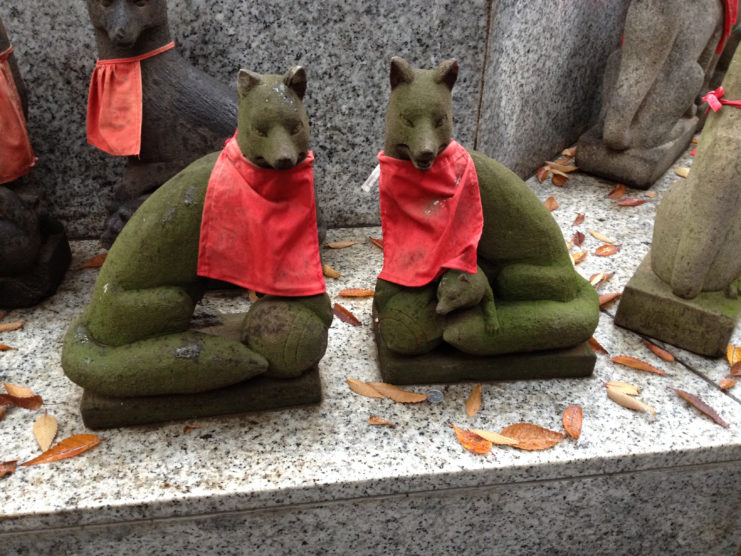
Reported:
(397, 394)
(606, 298)
(542, 173)
(356, 292)
(32, 403)
(45, 430)
(624, 387)
(569, 245)
(631, 202)
(695, 141)
(377, 242)
(727, 383)
(495, 438)
(67, 448)
(3, 410)
(579, 219)
(11, 326)
(345, 316)
(7, 468)
(341, 244)
(617, 192)
(18, 391)
(472, 442)
(579, 257)
(736, 369)
(187, 429)
(651, 194)
(559, 180)
(701, 406)
(635, 363)
(94, 262)
(561, 167)
(3, 314)
(572, 420)
(607, 250)
(733, 354)
(601, 237)
(330, 272)
(627, 401)
(3, 347)
(377, 421)
(532, 437)
(570, 152)
(473, 403)
(252, 294)
(596, 346)
(551, 204)
(682, 172)
(662, 353)
(363, 389)
(578, 239)
(602, 277)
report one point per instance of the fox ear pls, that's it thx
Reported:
(401, 72)
(246, 81)
(295, 79)
(447, 72)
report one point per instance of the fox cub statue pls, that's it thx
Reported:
(539, 301)
(133, 339)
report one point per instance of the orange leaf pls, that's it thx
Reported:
(11, 326)
(397, 394)
(32, 403)
(579, 257)
(606, 298)
(363, 389)
(2, 412)
(562, 166)
(559, 179)
(701, 406)
(345, 316)
(341, 244)
(572, 419)
(67, 448)
(18, 391)
(551, 204)
(356, 292)
(94, 262)
(377, 421)
(45, 430)
(635, 363)
(631, 202)
(542, 173)
(578, 239)
(607, 250)
(330, 272)
(578, 220)
(377, 242)
(570, 152)
(727, 383)
(252, 294)
(733, 354)
(532, 437)
(473, 403)
(3, 347)
(597, 279)
(188, 428)
(7, 468)
(472, 442)
(736, 369)
(495, 438)
(596, 346)
(662, 353)
(651, 194)
(618, 192)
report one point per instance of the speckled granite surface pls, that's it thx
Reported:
(322, 476)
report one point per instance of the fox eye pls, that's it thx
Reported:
(105, 3)
(260, 132)
(297, 128)
(440, 121)
(141, 3)
(407, 121)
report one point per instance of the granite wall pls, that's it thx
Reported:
(529, 73)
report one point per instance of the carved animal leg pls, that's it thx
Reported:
(408, 321)
(489, 308)
(522, 281)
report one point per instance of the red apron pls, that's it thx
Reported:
(16, 154)
(259, 227)
(731, 17)
(432, 220)
(114, 106)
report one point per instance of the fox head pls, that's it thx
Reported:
(273, 126)
(124, 21)
(419, 117)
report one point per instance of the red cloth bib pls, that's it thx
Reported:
(114, 105)
(259, 227)
(16, 154)
(432, 220)
(731, 17)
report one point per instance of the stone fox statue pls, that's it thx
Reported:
(185, 112)
(541, 302)
(133, 338)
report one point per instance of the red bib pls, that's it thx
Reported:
(432, 220)
(16, 154)
(114, 105)
(259, 227)
(730, 19)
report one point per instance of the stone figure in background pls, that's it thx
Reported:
(34, 253)
(148, 103)
(246, 215)
(686, 291)
(458, 226)
(726, 56)
(648, 112)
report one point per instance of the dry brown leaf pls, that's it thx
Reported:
(733, 354)
(473, 403)
(579, 257)
(659, 352)
(578, 239)
(32, 403)
(94, 262)
(542, 173)
(330, 272)
(356, 292)
(695, 141)
(631, 202)
(378, 242)
(560, 167)
(341, 244)
(570, 152)
(727, 383)
(345, 315)
(67, 448)
(624, 387)
(45, 430)
(375, 420)
(596, 346)
(618, 192)
(701, 406)
(495, 438)
(736, 369)
(638, 364)
(471, 441)
(3, 314)
(601, 237)
(572, 420)
(11, 326)
(7, 468)
(397, 394)
(18, 391)
(607, 250)
(363, 389)
(601, 278)
(559, 180)
(187, 429)
(3, 347)
(3, 411)
(252, 294)
(628, 402)
(551, 204)
(651, 194)
(569, 245)
(606, 298)
(578, 220)
(532, 437)
(682, 172)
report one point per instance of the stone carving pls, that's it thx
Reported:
(686, 290)
(34, 253)
(539, 305)
(648, 112)
(133, 349)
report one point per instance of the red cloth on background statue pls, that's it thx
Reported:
(432, 220)
(259, 228)
(730, 11)
(16, 154)
(114, 106)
